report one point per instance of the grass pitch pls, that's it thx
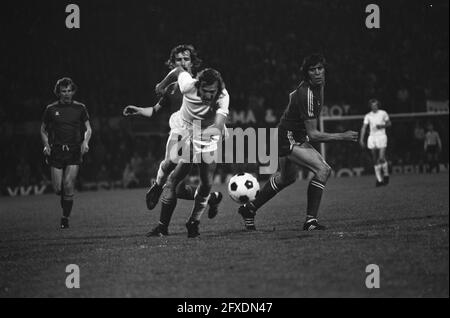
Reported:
(403, 228)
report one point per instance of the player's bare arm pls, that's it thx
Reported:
(170, 78)
(217, 128)
(362, 134)
(317, 136)
(87, 137)
(44, 137)
(219, 121)
(132, 110)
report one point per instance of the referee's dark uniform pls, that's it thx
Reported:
(65, 126)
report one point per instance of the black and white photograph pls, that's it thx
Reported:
(224, 154)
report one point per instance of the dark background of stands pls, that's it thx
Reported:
(118, 56)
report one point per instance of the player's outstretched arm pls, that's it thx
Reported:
(317, 136)
(132, 110)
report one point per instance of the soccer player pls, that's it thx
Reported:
(432, 147)
(202, 118)
(378, 121)
(297, 128)
(186, 57)
(64, 145)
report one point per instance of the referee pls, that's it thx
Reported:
(63, 124)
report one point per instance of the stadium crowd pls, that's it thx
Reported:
(258, 47)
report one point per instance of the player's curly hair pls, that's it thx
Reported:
(196, 61)
(309, 61)
(209, 76)
(64, 82)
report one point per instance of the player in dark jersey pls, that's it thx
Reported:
(186, 57)
(297, 128)
(62, 129)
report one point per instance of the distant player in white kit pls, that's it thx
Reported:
(378, 121)
(432, 146)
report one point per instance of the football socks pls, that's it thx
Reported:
(67, 204)
(269, 190)
(315, 190)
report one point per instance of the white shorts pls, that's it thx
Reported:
(377, 142)
(180, 127)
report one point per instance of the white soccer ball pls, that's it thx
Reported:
(243, 187)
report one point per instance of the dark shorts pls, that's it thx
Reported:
(64, 155)
(432, 149)
(287, 139)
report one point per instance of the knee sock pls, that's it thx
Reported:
(169, 194)
(378, 175)
(200, 203)
(269, 190)
(315, 190)
(67, 204)
(385, 168)
(168, 205)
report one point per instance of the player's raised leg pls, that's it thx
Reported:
(187, 192)
(169, 199)
(165, 168)
(287, 174)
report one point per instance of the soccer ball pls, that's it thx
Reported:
(243, 187)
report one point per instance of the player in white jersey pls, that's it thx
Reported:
(432, 146)
(202, 118)
(377, 120)
(184, 56)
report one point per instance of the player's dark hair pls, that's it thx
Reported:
(196, 61)
(373, 101)
(210, 76)
(309, 61)
(64, 82)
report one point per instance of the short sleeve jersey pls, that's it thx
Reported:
(373, 119)
(65, 122)
(432, 138)
(193, 108)
(305, 103)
